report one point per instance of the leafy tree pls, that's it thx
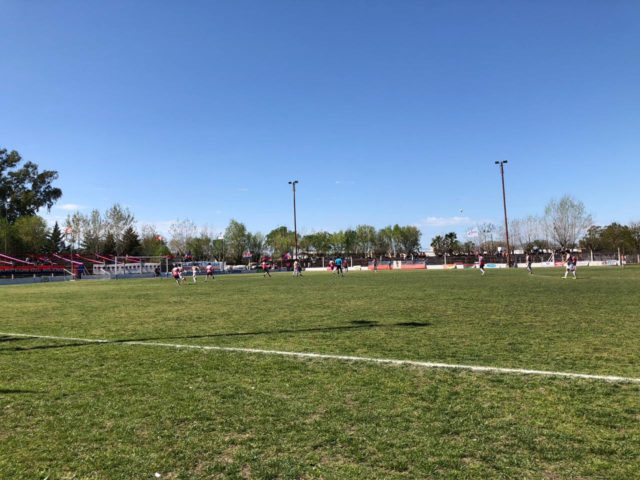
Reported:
(182, 231)
(350, 241)
(409, 239)
(152, 243)
(610, 238)
(566, 220)
(438, 244)
(634, 230)
(318, 243)
(365, 240)
(73, 224)
(200, 247)
(31, 232)
(218, 247)
(203, 246)
(385, 241)
(7, 236)
(592, 239)
(118, 219)
(256, 245)
(94, 229)
(616, 236)
(451, 244)
(305, 243)
(235, 241)
(468, 248)
(24, 190)
(338, 243)
(279, 241)
(54, 240)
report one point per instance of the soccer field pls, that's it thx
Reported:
(120, 381)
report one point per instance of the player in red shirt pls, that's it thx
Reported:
(209, 271)
(481, 263)
(570, 263)
(175, 271)
(265, 268)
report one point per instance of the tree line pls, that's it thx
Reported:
(24, 190)
(565, 224)
(236, 240)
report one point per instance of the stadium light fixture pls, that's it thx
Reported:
(293, 184)
(504, 205)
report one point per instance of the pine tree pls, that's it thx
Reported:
(130, 242)
(109, 246)
(54, 239)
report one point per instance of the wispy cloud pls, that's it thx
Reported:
(243, 189)
(70, 207)
(445, 221)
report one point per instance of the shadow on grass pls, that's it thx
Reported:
(354, 325)
(45, 347)
(4, 391)
(11, 339)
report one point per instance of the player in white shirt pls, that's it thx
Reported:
(297, 269)
(194, 272)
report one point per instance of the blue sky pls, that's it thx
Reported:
(385, 111)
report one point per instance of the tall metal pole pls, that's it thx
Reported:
(504, 204)
(295, 223)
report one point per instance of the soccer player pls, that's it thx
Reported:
(375, 264)
(209, 271)
(570, 263)
(194, 272)
(339, 266)
(265, 268)
(529, 261)
(175, 271)
(481, 263)
(297, 269)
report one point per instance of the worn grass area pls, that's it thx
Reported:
(75, 410)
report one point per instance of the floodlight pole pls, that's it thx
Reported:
(504, 205)
(295, 223)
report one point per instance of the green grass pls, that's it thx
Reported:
(75, 410)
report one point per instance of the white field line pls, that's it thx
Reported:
(345, 358)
